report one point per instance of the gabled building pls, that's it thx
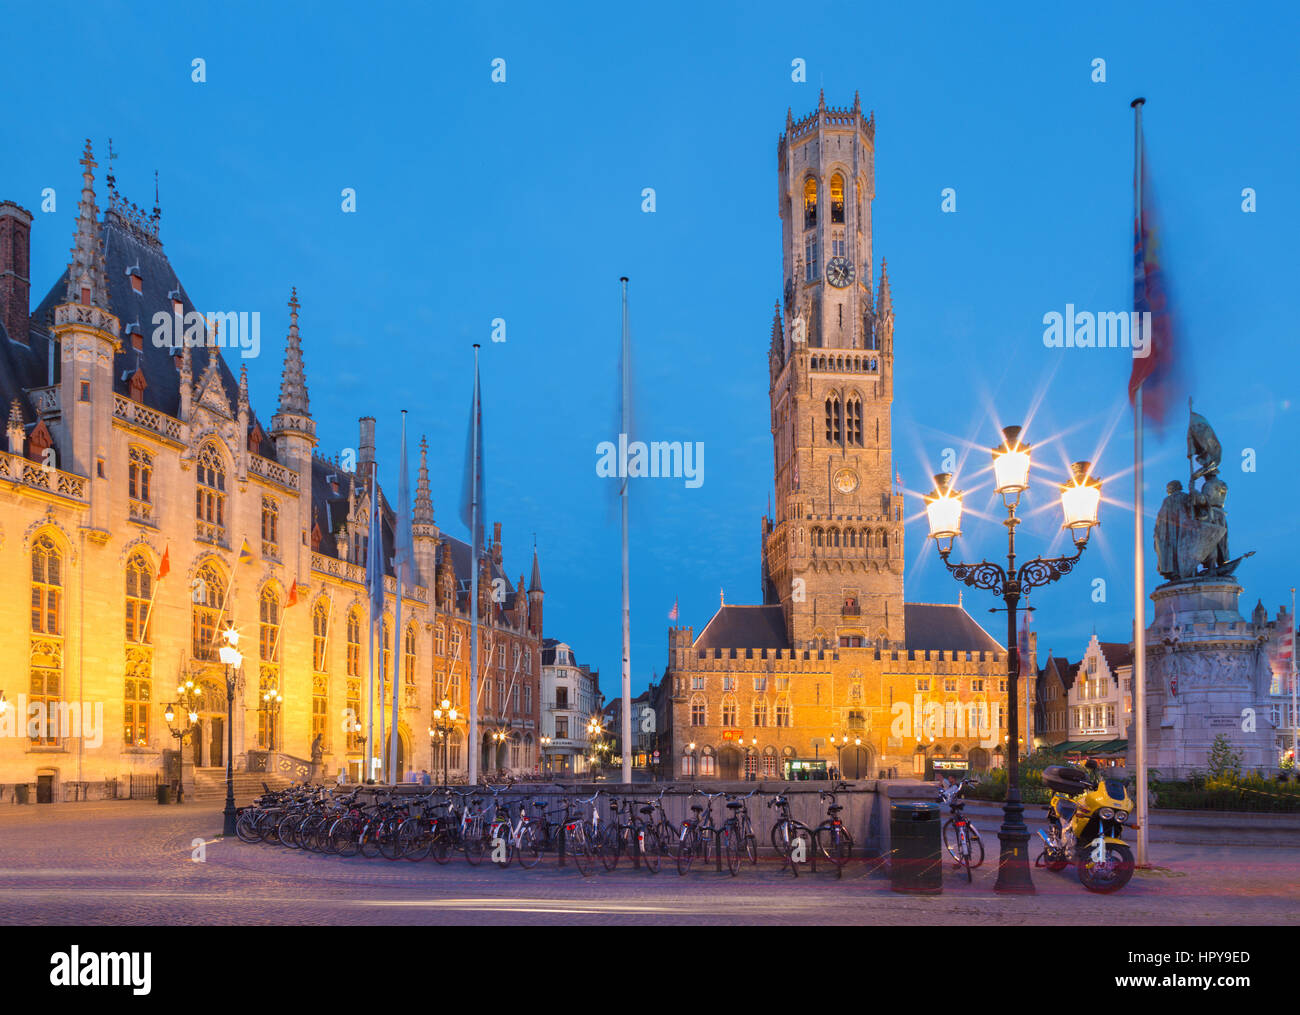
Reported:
(1052, 717)
(571, 699)
(148, 506)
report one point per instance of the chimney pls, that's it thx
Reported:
(366, 450)
(15, 270)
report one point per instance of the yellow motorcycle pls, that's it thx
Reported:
(1085, 820)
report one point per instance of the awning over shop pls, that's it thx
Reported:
(1092, 748)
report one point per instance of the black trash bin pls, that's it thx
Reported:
(164, 793)
(20, 793)
(916, 863)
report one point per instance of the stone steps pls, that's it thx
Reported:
(248, 786)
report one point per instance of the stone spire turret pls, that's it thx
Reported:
(87, 279)
(15, 429)
(293, 381)
(423, 513)
(884, 301)
(535, 597)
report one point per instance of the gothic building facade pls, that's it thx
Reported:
(146, 508)
(833, 669)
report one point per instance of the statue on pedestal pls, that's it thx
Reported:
(1191, 532)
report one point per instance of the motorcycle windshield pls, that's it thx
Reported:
(1115, 790)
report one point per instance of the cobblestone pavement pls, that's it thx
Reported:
(131, 863)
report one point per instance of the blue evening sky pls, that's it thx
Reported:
(522, 201)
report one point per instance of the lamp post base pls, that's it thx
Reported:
(1013, 855)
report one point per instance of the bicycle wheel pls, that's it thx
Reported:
(577, 845)
(286, 830)
(472, 845)
(608, 845)
(686, 849)
(499, 844)
(963, 850)
(730, 849)
(442, 846)
(668, 838)
(344, 837)
(835, 843)
(246, 827)
(750, 842)
(413, 839)
(530, 847)
(370, 839)
(650, 848)
(389, 847)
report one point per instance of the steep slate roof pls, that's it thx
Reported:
(1061, 667)
(744, 627)
(123, 250)
(931, 627)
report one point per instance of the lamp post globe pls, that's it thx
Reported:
(232, 658)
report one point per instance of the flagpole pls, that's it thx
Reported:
(369, 772)
(473, 745)
(1139, 560)
(401, 555)
(627, 620)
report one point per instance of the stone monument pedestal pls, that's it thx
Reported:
(1205, 675)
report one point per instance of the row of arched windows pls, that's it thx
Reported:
(844, 421)
(846, 364)
(834, 536)
(810, 201)
(760, 713)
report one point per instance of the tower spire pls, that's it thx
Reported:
(884, 303)
(423, 514)
(293, 380)
(87, 283)
(535, 582)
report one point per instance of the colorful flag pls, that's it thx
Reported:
(672, 614)
(165, 564)
(375, 550)
(245, 554)
(293, 595)
(1158, 372)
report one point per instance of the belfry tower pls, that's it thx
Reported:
(833, 553)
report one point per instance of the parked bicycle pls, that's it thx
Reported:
(960, 836)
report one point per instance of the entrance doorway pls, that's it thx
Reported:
(855, 763)
(729, 763)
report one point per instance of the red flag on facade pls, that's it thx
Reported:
(293, 595)
(165, 564)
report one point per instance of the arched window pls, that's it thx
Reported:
(320, 709)
(47, 628)
(834, 539)
(834, 420)
(270, 527)
(320, 625)
(206, 593)
(455, 743)
(760, 712)
(783, 711)
(884, 541)
(139, 593)
(837, 199)
(354, 643)
(809, 203)
(268, 628)
(210, 496)
(354, 714)
(854, 413)
(386, 659)
(699, 712)
(730, 711)
(440, 640)
(408, 665)
(139, 484)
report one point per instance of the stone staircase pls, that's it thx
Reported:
(210, 787)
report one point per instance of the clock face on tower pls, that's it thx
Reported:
(839, 272)
(846, 481)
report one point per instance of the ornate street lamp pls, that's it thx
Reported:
(546, 755)
(271, 702)
(444, 718)
(1080, 500)
(186, 708)
(232, 658)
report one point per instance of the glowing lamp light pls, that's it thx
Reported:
(169, 715)
(1080, 502)
(943, 509)
(1011, 466)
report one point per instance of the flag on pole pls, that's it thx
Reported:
(672, 614)
(472, 492)
(375, 552)
(245, 554)
(1158, 372)
(165, 565)
(293, 595)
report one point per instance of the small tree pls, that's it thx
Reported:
(1224, 763)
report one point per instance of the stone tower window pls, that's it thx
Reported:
(354, 643)
(837, 199)
(834, 420)
(854, 414)
(809, 203)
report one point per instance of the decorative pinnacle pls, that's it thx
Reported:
(86, 269)
(423, 514)
(821, 99)
(293, 379)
